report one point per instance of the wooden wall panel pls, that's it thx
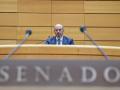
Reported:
(41, 6)
(38, 33)
(42, 33)
(32, 41)
(104, 43)
(79, 42)
(67, 7)
(8, 5)
(102, 6)
(81, 57)
(104, 33)
(102, 20)
(74, 33)
(68, 19)
(4, 42)
(29, 19)
(8, 32)
(101, 16)
(8, 19)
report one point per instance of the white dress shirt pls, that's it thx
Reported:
(61, 39)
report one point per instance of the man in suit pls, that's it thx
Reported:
(59, 38)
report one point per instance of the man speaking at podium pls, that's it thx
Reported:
(59, 38)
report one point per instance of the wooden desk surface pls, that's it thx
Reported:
(60, 51)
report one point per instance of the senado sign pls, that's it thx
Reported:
(60, 73)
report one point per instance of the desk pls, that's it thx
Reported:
(30, 51)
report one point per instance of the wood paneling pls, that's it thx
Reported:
(27, 19)
(42, 42)
(62, 51)
(4, 42)
(80, 57)
(8, 19)
(74, 33)
(8, 33)
(41, 6)
(101, 16)
(102, 6)
(32, 41)
(42, 33)
(105, 43)
(104, 33)
(8, 5)
(38, 33)
(102, 20)
(67, 7)
(68, 19)
(79, 42)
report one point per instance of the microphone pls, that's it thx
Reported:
(27, 34)
(83, 29)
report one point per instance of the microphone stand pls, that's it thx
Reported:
(28, 33)
(83, 29)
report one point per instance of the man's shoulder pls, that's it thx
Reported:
(66, 37)
(68, 40)
(51, 38)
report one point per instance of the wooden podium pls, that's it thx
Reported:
(36, 51)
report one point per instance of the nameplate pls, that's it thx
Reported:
(60, 73)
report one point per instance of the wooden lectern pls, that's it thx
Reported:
(33, 51)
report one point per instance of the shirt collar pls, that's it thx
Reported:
(61, 40)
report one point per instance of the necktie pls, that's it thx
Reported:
(58, 41)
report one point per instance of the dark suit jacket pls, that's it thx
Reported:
(65, 41)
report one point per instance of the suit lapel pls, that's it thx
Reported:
(64, 40)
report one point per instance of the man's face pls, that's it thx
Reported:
(58, 30)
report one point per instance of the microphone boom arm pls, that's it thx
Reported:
(28, 33)
(83, 29)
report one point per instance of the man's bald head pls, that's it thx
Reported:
(58, 26)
